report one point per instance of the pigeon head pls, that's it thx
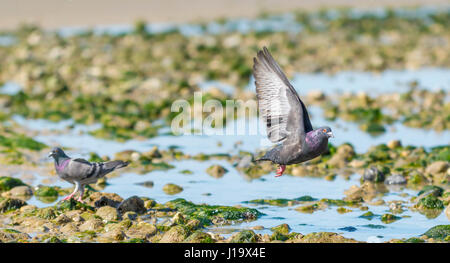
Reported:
(325, 132)
(57, 153)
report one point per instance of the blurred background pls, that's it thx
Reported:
(53, 14)
(98, 78)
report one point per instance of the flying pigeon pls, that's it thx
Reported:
(81, 172)
(286, 117)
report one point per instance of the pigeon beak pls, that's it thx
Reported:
(50, 154)
(330, 134)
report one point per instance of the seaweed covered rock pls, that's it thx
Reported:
(433, 190)
(21, 191)
(72, 204)
(430, 202)
(343, 155)
(199, 237)
(7, 183)
(10, 204)
(108, 213)
(441, 232)
(172, 189)
(209, 214)
(133, 204)
(216, 171)
(99, 199)
(282, 229)
(175, 234)
(11, 235)
(373, 174)
(389, 218)
(244, 236)
(326, 237)
(46, 194)
(91, 225)
(141, 230)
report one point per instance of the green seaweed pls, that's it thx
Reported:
(7, 183)
(208, 213)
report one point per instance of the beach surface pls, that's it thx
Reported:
(52, 14)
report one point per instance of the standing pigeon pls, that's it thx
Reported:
(81, 172)
(286, 116)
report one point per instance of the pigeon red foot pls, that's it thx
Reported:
(280, 170)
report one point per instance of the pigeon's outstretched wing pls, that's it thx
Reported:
(280, 106)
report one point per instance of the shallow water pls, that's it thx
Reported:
(234, 188)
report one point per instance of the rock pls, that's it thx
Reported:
(75, 215)
(257, 227)
(11, 204)
(395, 179)
(133, 204)
(176, 234)
(373, 174)
(366, 192)
(431, 190)
(46, 191)
(315, 95)
(21, 191)
(46, 213)
(91, 225)
(437, 167)
(108, 213)
(216, 171)
(441, 232)
(430, 202)
(69, 228)
(343, 155)
(389, 218)
(199, 237)
(178, 219)
(394, 144)
(130, 215)
(193, 224)
(326, 237)
(116, 235)
(244, 236)
(153, 153)
(124, 155)
(142, 230)
(172, 189)
(62, 219)
(99, 199)
(11, 235)
(26, 208)
(7, 183)
(149, 203)
(283, 229)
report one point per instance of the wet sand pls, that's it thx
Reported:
(53, 14)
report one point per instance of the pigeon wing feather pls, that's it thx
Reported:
(280, 106)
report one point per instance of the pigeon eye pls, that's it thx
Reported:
(324, 130)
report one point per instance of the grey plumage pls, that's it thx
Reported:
(81, 172)
(285, 115)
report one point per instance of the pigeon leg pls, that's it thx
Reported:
(80, 198)
(73, 193)
(280, 170)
